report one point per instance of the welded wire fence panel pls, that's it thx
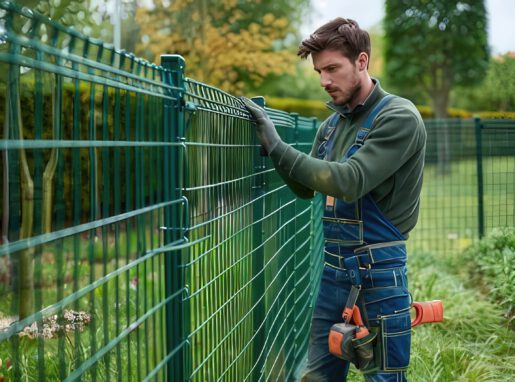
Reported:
(86, 159)
(219, 189)
(291, 274)
(469, 181)
(250, 279)
(145, 236)
(497, 158)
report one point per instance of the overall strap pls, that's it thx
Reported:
(363, 132)
(329, 132)
(328, 136)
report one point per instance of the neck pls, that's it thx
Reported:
(367, 86)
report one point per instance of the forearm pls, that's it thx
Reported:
(298, 189)
(308, 173)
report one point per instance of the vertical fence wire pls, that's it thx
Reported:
(469, 180)
(84, 142)
(144, 237)
(498, 149)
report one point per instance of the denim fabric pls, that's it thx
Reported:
(384, 294)
(350, 228)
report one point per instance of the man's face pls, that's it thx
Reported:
(338, 76)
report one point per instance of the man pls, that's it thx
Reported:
(367, 162)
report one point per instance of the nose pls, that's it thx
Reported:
(325, 80)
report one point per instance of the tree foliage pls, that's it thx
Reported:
(432, 46)
(496, 92)
(76, 13)
(226, 43)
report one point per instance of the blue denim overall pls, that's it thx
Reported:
(362, 248)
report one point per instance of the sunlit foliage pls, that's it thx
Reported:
(226, 43)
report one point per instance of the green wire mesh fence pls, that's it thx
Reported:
(469, 183)
(87, 182)
(144, 236)
(251, 279)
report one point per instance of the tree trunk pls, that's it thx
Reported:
(48, 174)
(25, 257)
(5, 183)
(440, 100)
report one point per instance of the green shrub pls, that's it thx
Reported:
(304, 107)
(318, 109)
(492, 265)
(496, 115)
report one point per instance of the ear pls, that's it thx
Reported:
(362, 61)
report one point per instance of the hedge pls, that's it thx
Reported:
(318, 109)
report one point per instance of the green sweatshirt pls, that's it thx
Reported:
(388, 166)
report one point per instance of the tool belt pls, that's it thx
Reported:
(351, 339)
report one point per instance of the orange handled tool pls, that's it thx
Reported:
(355, 314)
(427, 311)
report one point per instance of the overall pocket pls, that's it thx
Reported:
(343, 231)
(396, 340)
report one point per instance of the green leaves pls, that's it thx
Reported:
(435, 45)
(494, 257)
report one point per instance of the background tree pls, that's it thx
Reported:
(76, 13)
(496, 92)
(433, 46)
(66, 12)
(226, 43)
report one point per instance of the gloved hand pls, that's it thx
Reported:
(265, 128)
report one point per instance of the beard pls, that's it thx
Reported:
(349, 96)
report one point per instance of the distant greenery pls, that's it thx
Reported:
(431, 47)
(492, 266)
(496, 92)
(317, 108)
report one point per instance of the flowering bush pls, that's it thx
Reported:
(53, 325)
(5, 370)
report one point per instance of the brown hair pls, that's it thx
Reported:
(339, 34)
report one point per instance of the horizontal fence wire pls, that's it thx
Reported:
(250, 283)
(469, 184)
(86, 151)
(146, 237)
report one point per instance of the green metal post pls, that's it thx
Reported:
(258, 275)
(176, 311)
(479, 163)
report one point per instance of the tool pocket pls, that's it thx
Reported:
(343, 231)
(395, 341)
(364, 349)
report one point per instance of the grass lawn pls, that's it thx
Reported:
(474, 343)
(448, 220)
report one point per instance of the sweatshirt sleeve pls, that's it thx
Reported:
(397, 135)
(298, 188)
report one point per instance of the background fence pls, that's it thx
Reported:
(144, 237)
(469, 183)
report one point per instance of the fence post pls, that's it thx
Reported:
(177, 311)
(479, 164)
(258, 272)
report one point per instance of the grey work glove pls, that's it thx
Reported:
(265, 128)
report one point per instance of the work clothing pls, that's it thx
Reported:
(335, 285)
(362, 248)
(369, 170)
(367, 163)
(389, 166)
